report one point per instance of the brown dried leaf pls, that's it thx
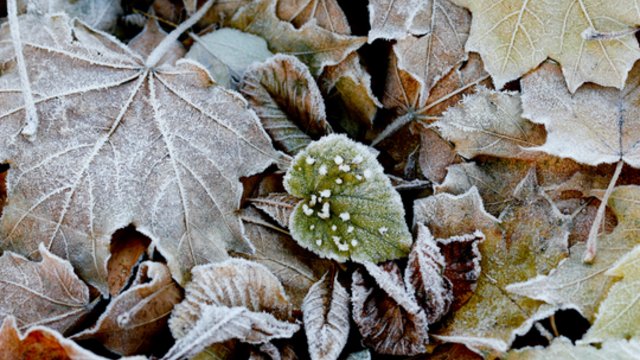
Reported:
(127, 249)
(278, 206)
(436, 154)
(39, 343)
(326, 318)
(125, 153)
(424, 276)
(150, 36)
(287, 101)
(462, 265)
(42, 293)
(388, 317)
(327, 13)
(135, 318)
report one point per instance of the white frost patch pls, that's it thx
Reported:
(307, 210)
(341, 246)
(345, 216)
(383, 230)
(354, 242)
(314, 200)
(367, 173)
(338, 181)
(325, 193)
(359, 177)
(338, 160)
(310, 160)
(324, 214)
(357, 160)
(319, 242)
(350, 229)
(334, 228)
(322, 170)
(344, 168)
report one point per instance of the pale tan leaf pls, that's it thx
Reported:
(278, 206)
(424, 276)
(563, 348)
(391, 19)
(99, 14)
(136, 317)
(39, 343)
(515, 36)
(490, 123)
(326, 318)
(42, 293)
(150, 36)
(125, 152)
(327, 14)
(287, 101)
(388, 317)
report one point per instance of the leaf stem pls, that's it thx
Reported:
(592, 240)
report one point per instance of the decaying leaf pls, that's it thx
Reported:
(326, 318)
(279, 206)
(529, 238)
(39, 343)
(117, 145)
(349, 209)
(562, 348)
(424, 276)
(390, 19)
(515, 36)
(574, 284)
(287, 101)
(462, 265)
(490, 123)
(135, 318)
(388, 317)
(127, 250)
(326, 13)
(46, 293)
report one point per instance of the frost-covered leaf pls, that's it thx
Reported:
(563, 348)
(349, 209)
(152, 35)
(388, 317)
(576, 128)
(424, 276)
(39, 343)
(529, 238)
(326, 318)
(515, 36)
(99, 14)
(298, 269)
(327, 14)
(431, 56)
(462, 265)
(42, 293)
(619, 314)
(391, 19)
(279, 206)
(287, 101)
(134, 319)
(490, 123)
(312, 44)
(233, 48)
(117, 144)
(581, 286)
(218, 324)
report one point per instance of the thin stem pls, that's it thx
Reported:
(592, 240)
(393, 127)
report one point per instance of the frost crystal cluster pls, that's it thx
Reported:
(349, 208)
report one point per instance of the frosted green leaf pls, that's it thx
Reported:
(349, 209)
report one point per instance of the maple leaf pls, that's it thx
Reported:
(580, 286)
(563, 348)
(491, 318)
(287, 101)
(349, 209)
(42, 293)
(515, 36)
(122, 140)
(132, 320)
(326, 318)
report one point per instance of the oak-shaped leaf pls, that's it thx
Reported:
(574, 284)
(530, 224)
(39, 343)
(386, 314)
(619, 312)
(563, 348)
(46, 293)
(326, 318)
(139, 142)
(490, 123)
(287, 100)
(133, 319)
(349, 209)
(591, 39)
(424, 276)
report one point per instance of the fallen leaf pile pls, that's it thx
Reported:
(322, 179)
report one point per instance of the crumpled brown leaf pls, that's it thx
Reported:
(135, 318)
(287, 101)
(126, 152)
(278, 206)
(47, 292)
(326, 318)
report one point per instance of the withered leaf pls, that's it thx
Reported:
(327, 14)
(127, 250)
(287, 101)
(47, 292)
(387, 315)
(462, 258)
(117, 144)
(134, 319)
(390, 19)
(326, 318)
(563, 348)
(39, 343)
(424, 276)
(278, 206)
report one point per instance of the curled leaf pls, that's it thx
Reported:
(349, 209)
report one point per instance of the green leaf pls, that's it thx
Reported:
(349, 209)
